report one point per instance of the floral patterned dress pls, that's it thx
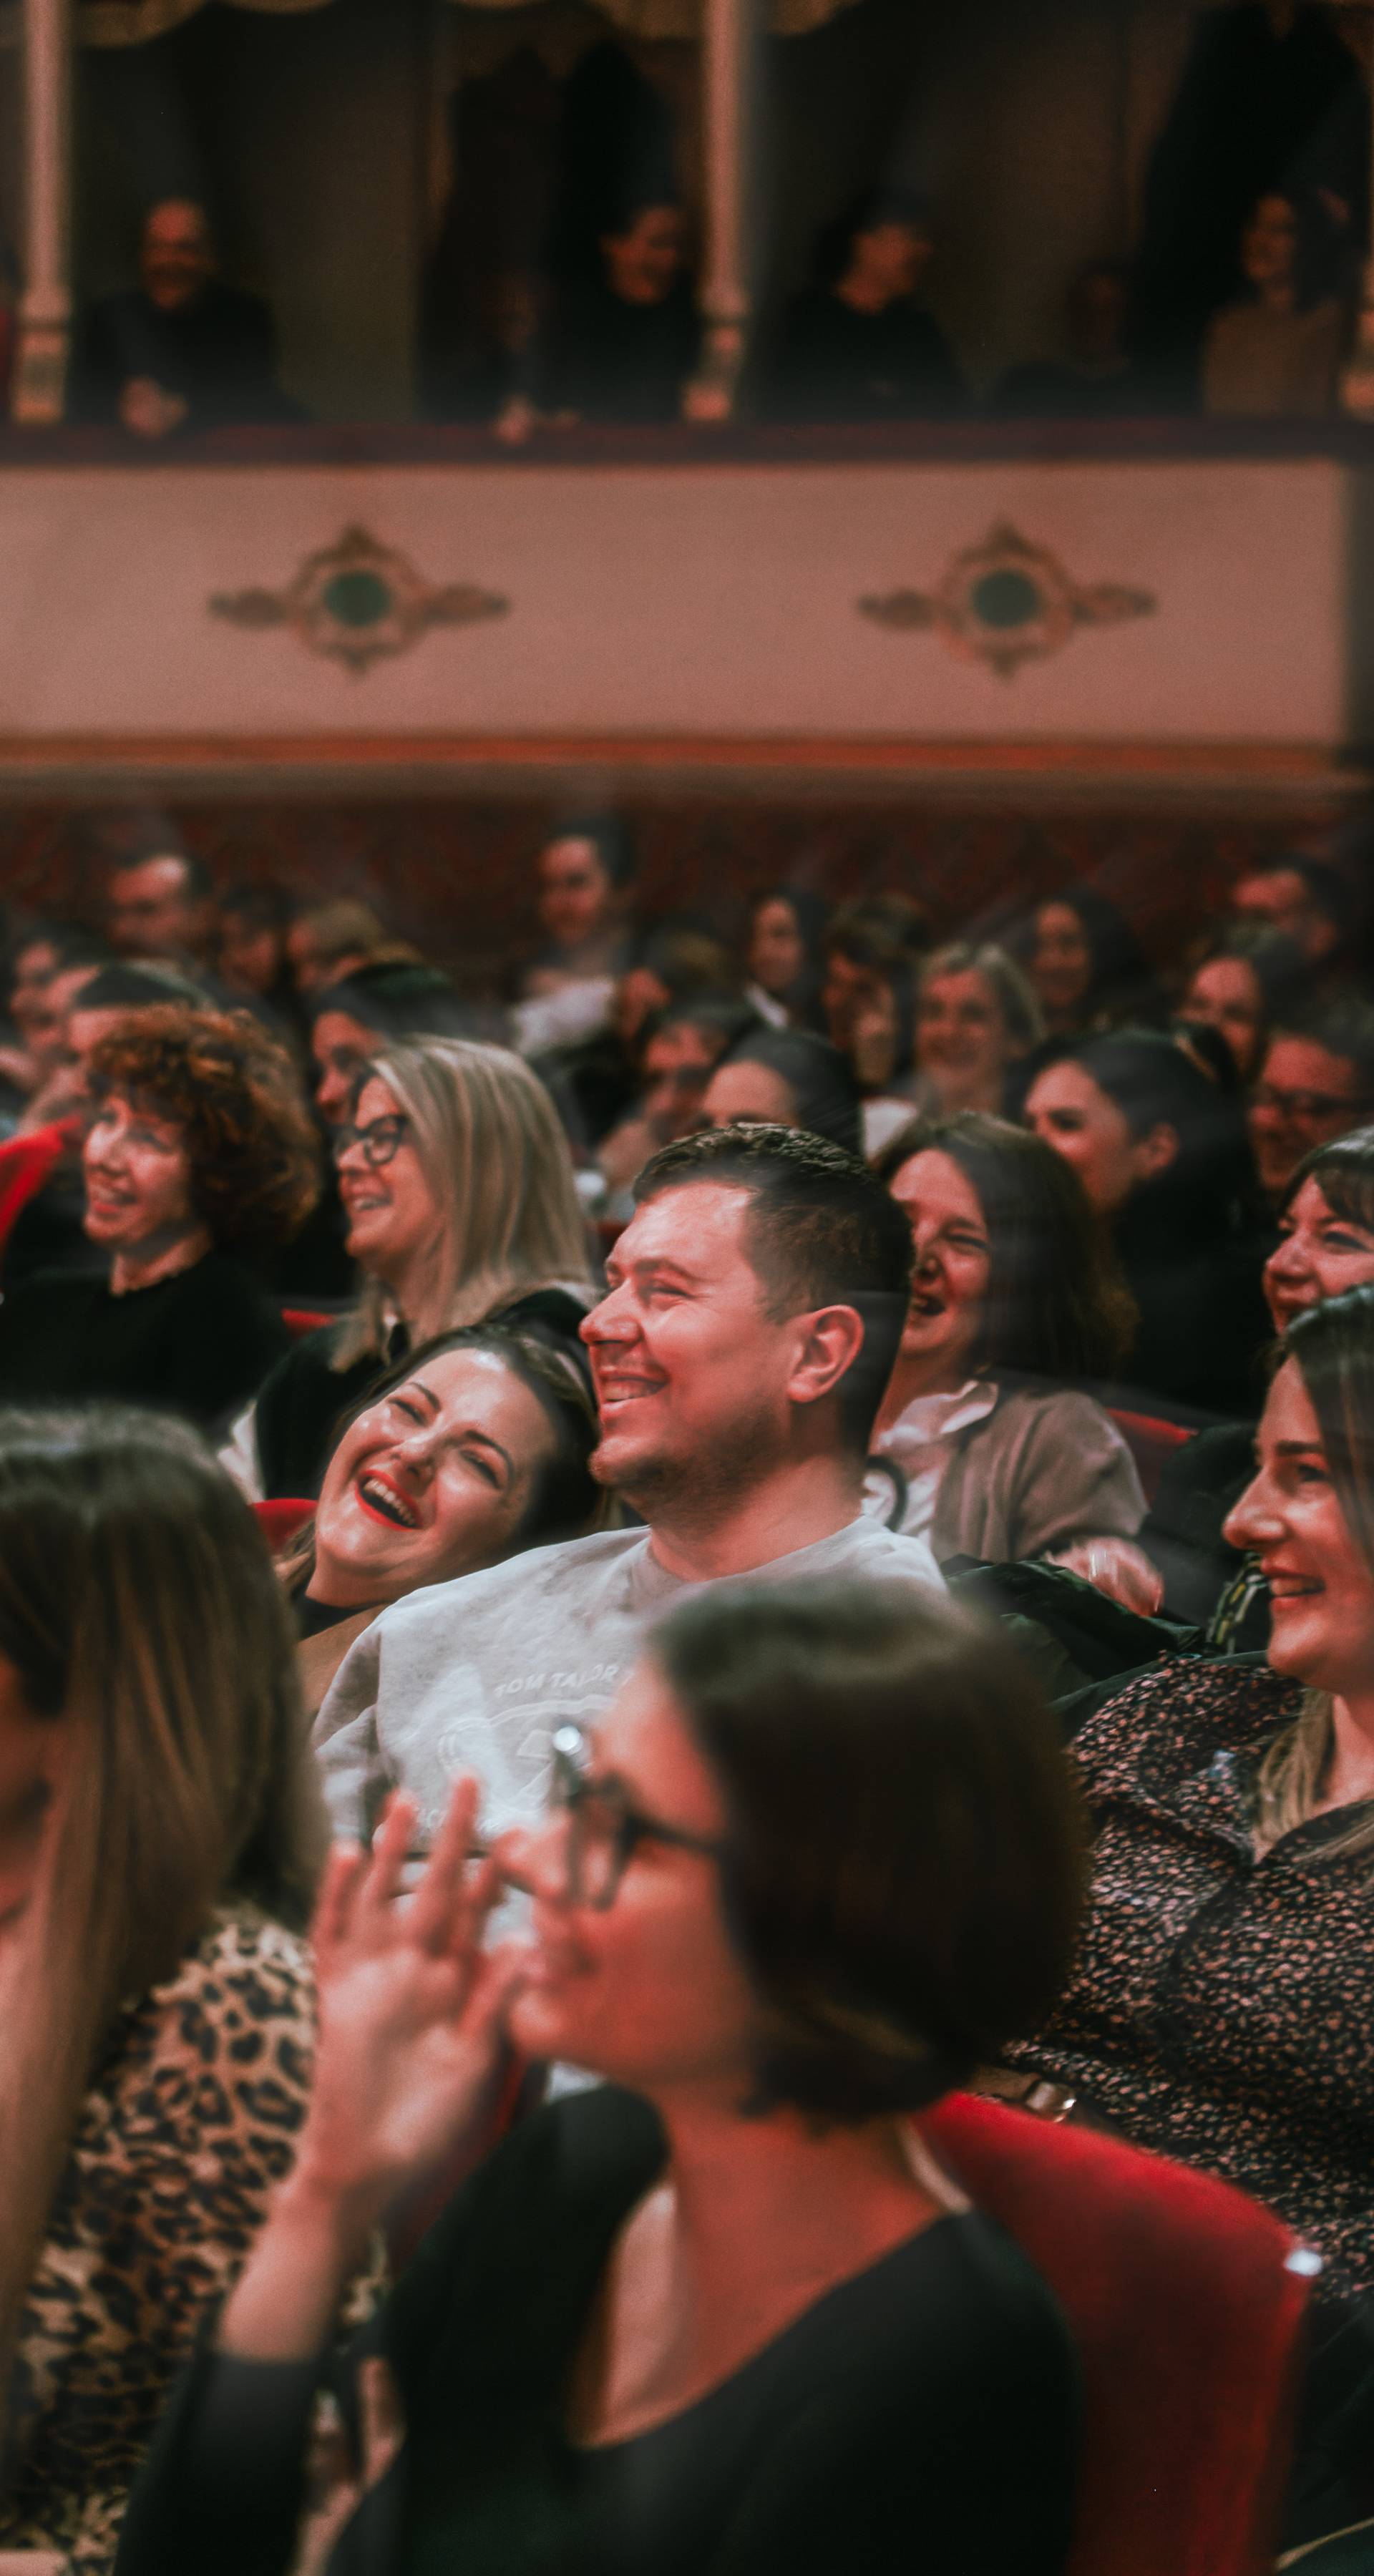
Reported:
(1220, 2007)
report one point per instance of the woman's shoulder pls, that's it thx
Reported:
(1163, 1726)
(1060, 1410)
(242, 1996)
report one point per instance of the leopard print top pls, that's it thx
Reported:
(190, 2121)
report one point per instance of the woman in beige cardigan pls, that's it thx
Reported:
(1014, 1293)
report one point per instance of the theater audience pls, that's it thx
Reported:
(458, 1191)
(620, 344)
(254, 923)
(1084, 965)
(585, 873)
(198, 1153)
(752, 1312)
(374, 1006)
(1316, 1082)
(870, 952)
(328, 943)
(161, 1836)
(1242, 984)
(787, 1078)
(681, 1048)
(474, 1448)
(976, 1022)
(1162, 1155)
(1309, 902)
(162, 906)
(856, 344)
(1013, 1294)
(181, 350)
(783, 956)
(1277, 350)
(743, 2317)
(1096, 378)
(1217, 2008)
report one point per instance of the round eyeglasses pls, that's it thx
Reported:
(605, 1828)
(381, 1139)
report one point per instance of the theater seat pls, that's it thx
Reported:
(1151, 1442)
(280, 1519)
(300, 1320)
(1186, 2314)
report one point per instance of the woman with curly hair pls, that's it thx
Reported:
(199, 1150)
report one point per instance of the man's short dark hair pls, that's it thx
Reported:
(611, 838)
(196, 876)
(397, 1001)
(1328, 891)
(1343, 1028)
(140, 988)
(822, 1231)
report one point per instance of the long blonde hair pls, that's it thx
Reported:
(497, 1163)
(138, 1608)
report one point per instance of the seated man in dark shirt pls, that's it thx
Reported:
(621, 345)
(180, 349)
(855, 344)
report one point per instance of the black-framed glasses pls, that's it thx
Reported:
(381, 1139)
(604, 1829)
(1305, 1107)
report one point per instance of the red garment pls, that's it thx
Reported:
(27, 1163)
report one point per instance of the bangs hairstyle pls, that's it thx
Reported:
(903, 1870)
(497, 1165)
(1056, 1303)
(566, 1501)
(821, 1231)
(1344, 1173)
(138, 1604)
(1332, 1348)
(249, 1140)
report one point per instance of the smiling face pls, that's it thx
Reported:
(432, 1481)
(153, 911)
(1305, 1096)
(1226, 995)
(953, 1267)
(393, 1219)
(962, 1040)
(677, 1068)
(1321, 1590)
(1061, 962)
(777, 951)
(1071, 1112)
(1319, 1254)
(138, 1178)
(607, 1990)
(692, 1373)
(645, 261)
(576, 897)
(341, 1046)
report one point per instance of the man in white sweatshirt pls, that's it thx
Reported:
(753, 1310)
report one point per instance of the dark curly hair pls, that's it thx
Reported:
(255, 1162)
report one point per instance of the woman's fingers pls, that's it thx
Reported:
(438, 1901)
(381, 1882)
(339, 1884)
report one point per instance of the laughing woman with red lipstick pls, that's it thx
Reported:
(198, 1151)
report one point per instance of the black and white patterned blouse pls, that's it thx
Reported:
(1221, 2008)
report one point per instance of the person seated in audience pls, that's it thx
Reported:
(856, 344)
(162, 907)
(461, 1206)
(181, 350)
(162, 1835)
(1278, 350)
(47, 962)
(1326, 1245)
(597, 1081)
(744, 2318)
(48, 1045)
(870, 953)
(585, 874)
(622, 343)
(977, 1020)
(1083, 963)
(472, 1449)
(786, 1078)
(752, 1314)
(680, 1050)
(328, 943)
(783, 956)
(1014, 1293)
(375, 1006)
(1316, 1082)
(254, 921)
(1219, 2001)
(1310, 903)
(1163, 1157)
(198, 1152)
(1096, 379)
(1242, 983)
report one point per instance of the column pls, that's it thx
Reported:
(40, 362)
(731, 67)
(1357, 388)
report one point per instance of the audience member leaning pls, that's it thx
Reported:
(1244, 984)
(786, 1078)
(977, 1020)
(180, 350)
(682, 1046)
(474, 1448)
(1316, 1082)
(1162, 1154)
(162, 1834)
(1219, 2004)
(741, 2316)
(198, 1151)
(855, 344)
(1013, 1293)
(461, 1207)
(752, 1314)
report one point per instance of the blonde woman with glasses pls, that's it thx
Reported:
(159, 1841)
(458, 1189)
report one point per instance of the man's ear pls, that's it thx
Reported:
(1156, 1151)
(828, 1343)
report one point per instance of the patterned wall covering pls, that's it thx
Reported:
(454, 875)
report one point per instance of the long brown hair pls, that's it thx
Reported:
(138, 1607)
(1332, 1348)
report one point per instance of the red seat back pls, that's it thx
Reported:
(1177, 2291)
(1151, 1442)
(300, 1320)
(280, 1518)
